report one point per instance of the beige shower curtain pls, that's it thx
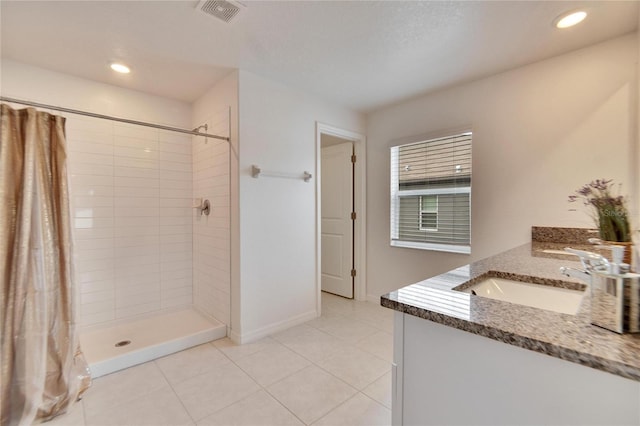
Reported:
(43, 370)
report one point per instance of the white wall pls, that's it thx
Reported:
(278, 216)
(540, 131)
(130, 193)
(212, 180)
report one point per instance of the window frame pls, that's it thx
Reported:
(422, 211)
(396, 193)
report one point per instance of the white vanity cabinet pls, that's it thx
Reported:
(446, 376)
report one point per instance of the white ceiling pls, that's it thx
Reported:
(360, 54)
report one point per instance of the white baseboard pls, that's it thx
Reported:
(252, 336)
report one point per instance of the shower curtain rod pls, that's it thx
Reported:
(108, 117)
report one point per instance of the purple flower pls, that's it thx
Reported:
(610, 210)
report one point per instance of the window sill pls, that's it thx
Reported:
(448, 248)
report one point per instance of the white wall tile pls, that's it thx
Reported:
(178, 282)
(135, 162)
(89, 265)
(186, 300)
(91, 211)
(87, 181)
(105, 148)
(177, 211)
(92, 276)
(175, 265)
(132, 142)
(92, 222)
(134, 279)
(135, 231)
(174, 165)
(140, 295)
(178, 274)
(94, 254)
(136, 182)
(89, 202)
(122, 182)
(176, 256)
(97, 307)
(96, 296)
(174, 202)
(211, 281)
(92, 319)
(138, 309)
(82, 190)
(184, 193)
(148, 173)
(124, 221)
(135, 192)
(91, 169)
(136, 211)
(135, 131)
(97, 286)
(179, 148)
(170, 239)
(176, 175)
(87, 158)
(136, 261)
(93, 233)
(175, 157)
(136, 241)
(143, 153)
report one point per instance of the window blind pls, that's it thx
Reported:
(431, 194)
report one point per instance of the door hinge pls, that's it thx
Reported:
(353, 215)
(353, 272)
(353, 158)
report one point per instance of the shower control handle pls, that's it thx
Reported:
(206, 208)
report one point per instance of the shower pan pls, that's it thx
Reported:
(113, 348)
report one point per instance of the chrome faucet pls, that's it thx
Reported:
(590, 261)
(576, 273)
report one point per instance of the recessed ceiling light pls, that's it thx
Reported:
(570, 19)
(121, 68)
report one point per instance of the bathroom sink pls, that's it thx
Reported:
(554, 251)
(551, 298)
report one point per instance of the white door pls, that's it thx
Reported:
(337, 226)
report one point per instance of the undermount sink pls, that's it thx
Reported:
(551, 298)
(554, 251)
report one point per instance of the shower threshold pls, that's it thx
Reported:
(124, 345)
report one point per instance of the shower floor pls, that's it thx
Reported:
(106, 349)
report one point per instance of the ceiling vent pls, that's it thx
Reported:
(224, 10)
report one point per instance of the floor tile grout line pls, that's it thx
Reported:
(282, 404)
(346, 401)
(349, 384)
(137, 397)
(279, 380)
(228, 405)
(265, 388)
(174, 392)
(319, 366)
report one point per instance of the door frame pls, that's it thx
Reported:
(360, 202)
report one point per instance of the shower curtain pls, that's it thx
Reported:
(43, 369)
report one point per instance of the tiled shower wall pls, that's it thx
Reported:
(211, 257)
(131, 189)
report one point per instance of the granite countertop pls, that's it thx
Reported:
(568, 337)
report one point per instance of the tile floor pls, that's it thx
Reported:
(333, 370)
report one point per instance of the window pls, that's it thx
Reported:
(431, 194)
(429, 213)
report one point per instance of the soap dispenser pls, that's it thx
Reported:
(615, 296)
